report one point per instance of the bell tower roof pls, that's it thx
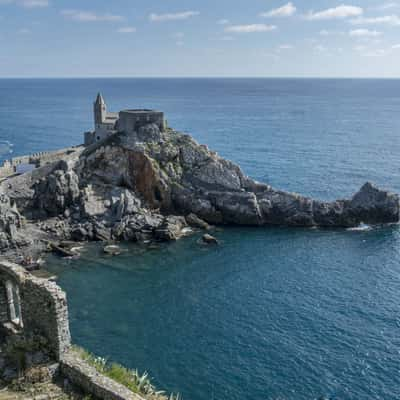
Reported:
(99, 99)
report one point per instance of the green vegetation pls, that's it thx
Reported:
(131, 379)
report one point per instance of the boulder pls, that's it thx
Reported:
(196, 222)
(372, 205)
(112, 250)
(171, 228)
(208, 239)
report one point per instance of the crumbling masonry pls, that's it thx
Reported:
(34, 314)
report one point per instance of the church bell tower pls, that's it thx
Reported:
(100, 110)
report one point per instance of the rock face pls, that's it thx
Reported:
(141, 187)
(10, 224)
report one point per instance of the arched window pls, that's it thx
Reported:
(14, 304)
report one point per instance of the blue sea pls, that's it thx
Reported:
(272, 313)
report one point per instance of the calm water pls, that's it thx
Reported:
(272, 313)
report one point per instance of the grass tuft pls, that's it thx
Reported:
(131, 379)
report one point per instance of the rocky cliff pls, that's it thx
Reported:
(141, 187)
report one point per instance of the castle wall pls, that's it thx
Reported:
(131, 121)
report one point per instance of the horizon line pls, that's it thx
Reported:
(201, 77)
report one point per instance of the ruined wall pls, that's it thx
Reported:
(30, 308)
(33, 306)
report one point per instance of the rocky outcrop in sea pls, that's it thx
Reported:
(151, 186)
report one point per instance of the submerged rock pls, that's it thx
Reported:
(208, 239)
(112, 250)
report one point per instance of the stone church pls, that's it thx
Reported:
(129, 121)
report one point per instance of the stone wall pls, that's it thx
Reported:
(6, 169)
(38, 159)
(84, 376)
(31, 306)
(131, 120)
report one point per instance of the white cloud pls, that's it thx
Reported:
(396, 46)
(340, 12)
(27, 3)
(364, 33)
(227, 38)
(223, 21)
(366, 52)
(34, 3)
(24, 31)
(388, 6)
(88, 16)
(386, 20)
(285, 47)
(172, 16)
(250, 28)
(178, 35)
(320, 48)
(360, 48)
(375, 53)
(127, 29)
(285, 11)
(325, 32)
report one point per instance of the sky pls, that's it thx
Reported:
(189, 38)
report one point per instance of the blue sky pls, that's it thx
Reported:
(56, 38)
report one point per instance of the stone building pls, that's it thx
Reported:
(129, 121)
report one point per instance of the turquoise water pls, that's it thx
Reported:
(271, 313)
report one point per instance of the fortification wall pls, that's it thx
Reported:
(38, 159)
(131, 121)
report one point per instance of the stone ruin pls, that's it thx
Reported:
(34, 333)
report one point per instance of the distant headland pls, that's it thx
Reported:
(136, 179)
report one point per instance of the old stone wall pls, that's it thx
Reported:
(33, 306)
(84, 376)
(131, 120)
(38, 159)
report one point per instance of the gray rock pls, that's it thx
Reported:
(131, 188)
(196, 222)
(170, 229)
(149, 132)
(79, 234)
(112, 250)
(208, 239)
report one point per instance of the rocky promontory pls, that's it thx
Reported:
(150, 187)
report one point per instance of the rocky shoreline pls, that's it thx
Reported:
(153, 186)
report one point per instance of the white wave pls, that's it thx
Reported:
(360, 228)
(6, 147)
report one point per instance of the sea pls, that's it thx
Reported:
(270, 313)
